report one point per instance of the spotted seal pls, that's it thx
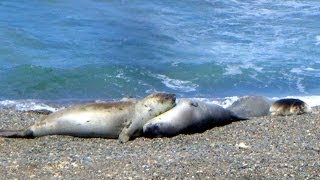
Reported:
(123, 119)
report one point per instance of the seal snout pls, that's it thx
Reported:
(171, 97)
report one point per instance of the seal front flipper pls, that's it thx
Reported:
(23, 133)
(124, 137)
(134, 130)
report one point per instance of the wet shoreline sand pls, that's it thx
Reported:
(264, 147)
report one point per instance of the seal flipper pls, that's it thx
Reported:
(235, 117)
(23, 133)
(123, 136)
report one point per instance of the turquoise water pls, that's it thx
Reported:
(97, 49)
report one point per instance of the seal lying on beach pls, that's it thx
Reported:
(286, 107)
(188, 116)
(251, 106)
(108, 120)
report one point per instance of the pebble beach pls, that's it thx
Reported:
(266, 147)
(241, 55)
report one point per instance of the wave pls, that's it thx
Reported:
(27, 105)
(176, 84)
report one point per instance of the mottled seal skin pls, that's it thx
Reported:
(188, 116)
(287, 107)
(251, 106)
(123, 119)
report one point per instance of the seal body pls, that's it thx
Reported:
(123, 119)
(286, 107)
(188, 116)
(251, 106)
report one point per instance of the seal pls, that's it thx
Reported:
(188, 116)
(287, 107)
(251, 106)
(123, 119)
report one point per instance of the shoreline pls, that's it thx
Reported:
(263, 147)
(53, 105)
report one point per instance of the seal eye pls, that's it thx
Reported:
(147, 107)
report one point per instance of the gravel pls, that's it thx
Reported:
(260, 148)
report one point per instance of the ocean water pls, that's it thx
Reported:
(55, 51)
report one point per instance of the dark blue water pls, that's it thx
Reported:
(98, 49)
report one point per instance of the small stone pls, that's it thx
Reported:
(74, 165)
(242, 146)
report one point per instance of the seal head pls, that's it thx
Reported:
(148, 108)
(290, 106)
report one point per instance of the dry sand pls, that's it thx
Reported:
(260, 148)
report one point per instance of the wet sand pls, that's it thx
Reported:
(259, 148)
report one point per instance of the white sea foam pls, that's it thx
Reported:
(237, 69)
(296, 70)
(224, 102)
(249, 65)
(121, 75)
(309, 69)
(232, 70)
(176, 84)
(318, 40)
(26, 105)
(300, 86)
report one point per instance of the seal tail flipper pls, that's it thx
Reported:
(24, 133)
(238, 118)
